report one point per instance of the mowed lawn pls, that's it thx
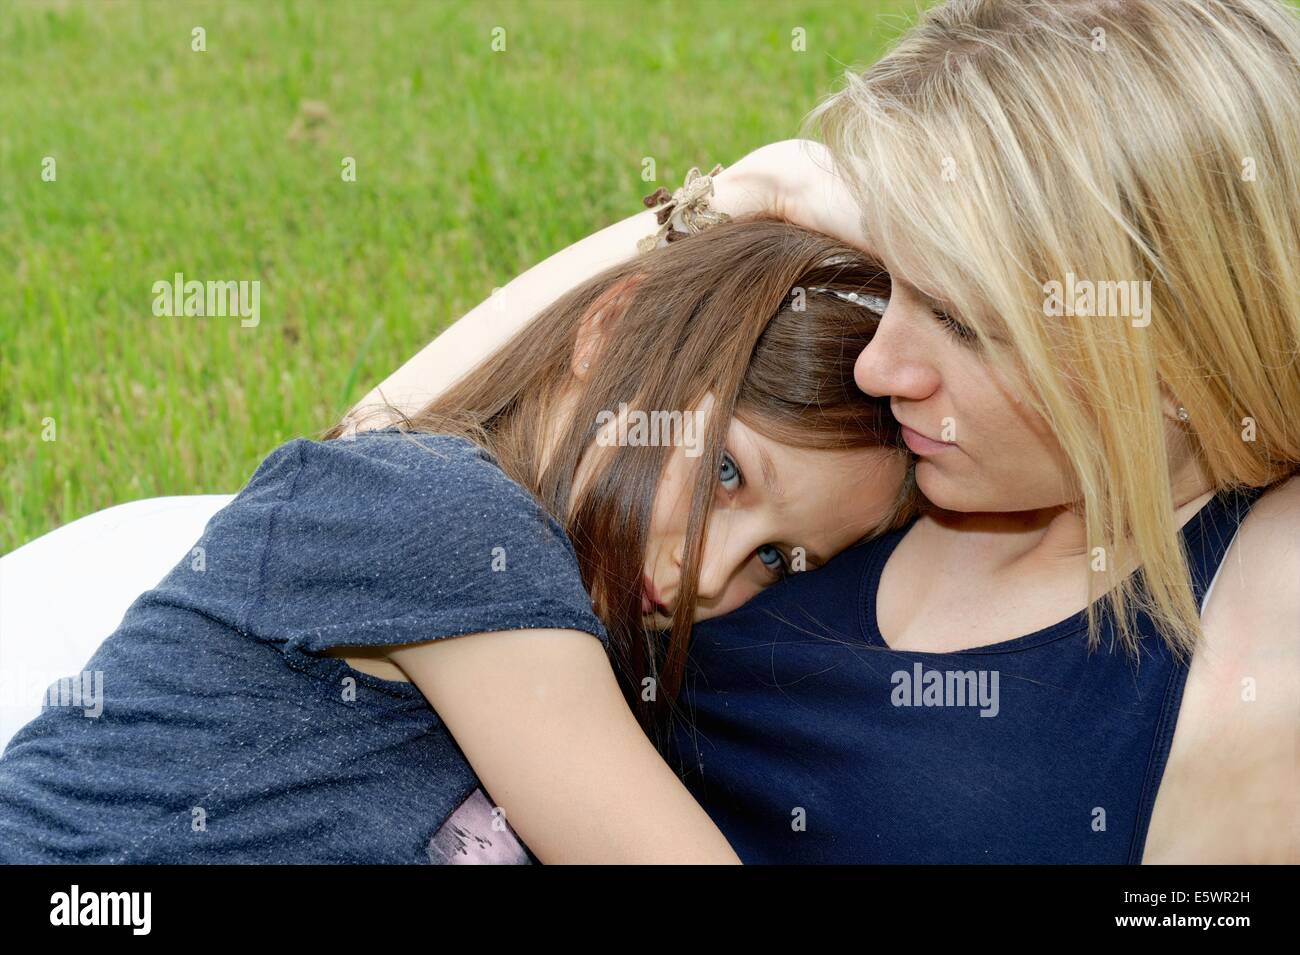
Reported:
(471, 166)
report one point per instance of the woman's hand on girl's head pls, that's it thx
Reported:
(796, 179)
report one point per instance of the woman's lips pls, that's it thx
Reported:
(922, 445)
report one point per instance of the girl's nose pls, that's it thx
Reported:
(726, 550)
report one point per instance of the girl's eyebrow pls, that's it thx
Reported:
(770, 479)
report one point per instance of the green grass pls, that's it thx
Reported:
(472, 166)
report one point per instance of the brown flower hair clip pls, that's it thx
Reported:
(688, 206)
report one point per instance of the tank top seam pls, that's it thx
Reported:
(1157, 759)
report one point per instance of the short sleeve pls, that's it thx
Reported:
(390, 538)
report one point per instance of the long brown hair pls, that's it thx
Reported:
(746, 312)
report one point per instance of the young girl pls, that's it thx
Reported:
(288, 693)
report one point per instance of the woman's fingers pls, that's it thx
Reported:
(806, 189)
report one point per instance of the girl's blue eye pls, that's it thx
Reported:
(728, 472)
(772, 559)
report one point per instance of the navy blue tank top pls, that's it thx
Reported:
(808, 740)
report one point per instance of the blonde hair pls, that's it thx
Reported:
(1018, 143)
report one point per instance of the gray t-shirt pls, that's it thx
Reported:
(225, 735)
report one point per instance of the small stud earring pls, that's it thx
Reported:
(586, 364)
(1182, 414)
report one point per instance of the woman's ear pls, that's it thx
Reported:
(597, 322)
(1170, 406)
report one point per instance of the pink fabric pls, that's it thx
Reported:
(472, 835)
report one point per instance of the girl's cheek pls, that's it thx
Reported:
(672, 499)
(737, 594)
(667, 523)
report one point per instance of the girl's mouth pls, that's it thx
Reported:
(650, 598)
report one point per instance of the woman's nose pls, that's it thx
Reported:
(893, 365)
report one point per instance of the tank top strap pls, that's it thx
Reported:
(1207, 537)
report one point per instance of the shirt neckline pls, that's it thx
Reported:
(873, 571)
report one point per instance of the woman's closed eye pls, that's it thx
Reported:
(963, 333)
(732, 480)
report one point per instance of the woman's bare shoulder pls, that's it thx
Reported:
(1265, 559)
(1280, 503)
(1227, 792)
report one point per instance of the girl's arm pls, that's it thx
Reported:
(789, 178)
(540, 718)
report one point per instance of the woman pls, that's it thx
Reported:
(287, 693)
(1086, 650)
(1015, 162)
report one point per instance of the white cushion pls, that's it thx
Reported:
(63, 593)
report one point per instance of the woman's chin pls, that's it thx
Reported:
(939, 489)
(980, 495)
(949, 493)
